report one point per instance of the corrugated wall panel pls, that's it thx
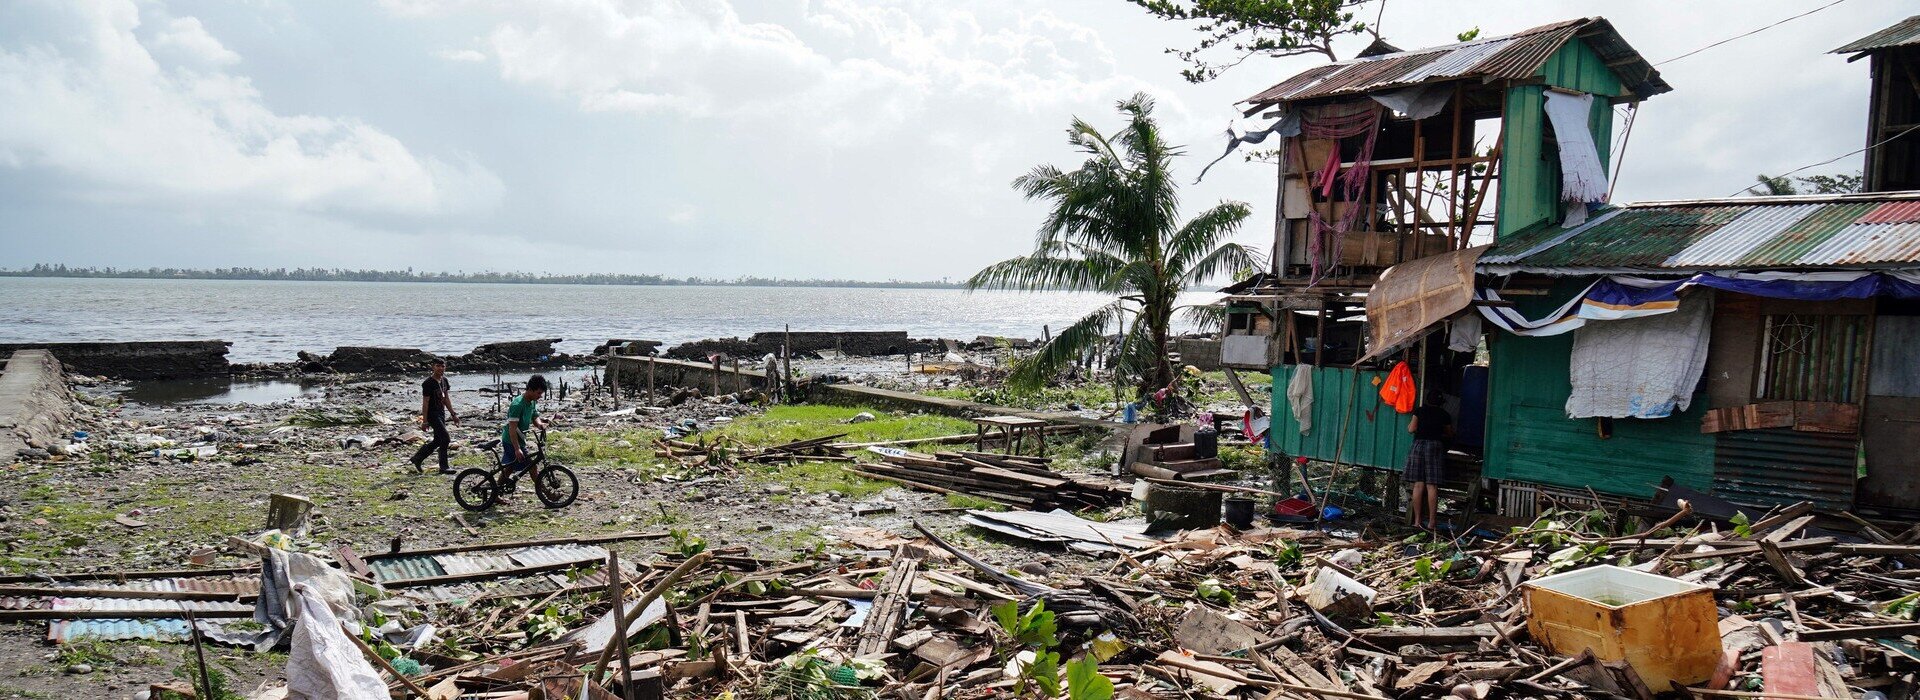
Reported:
(1375, 435)
(1530, 438)
(1782, 466)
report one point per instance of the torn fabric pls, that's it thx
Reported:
(1640, 367)
(1287, 125)
(1464, 335)
(1583, 180)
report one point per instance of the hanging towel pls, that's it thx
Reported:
(1399, 391)
(1464, 336)
(1645, 367)
(1300, 397)
(1582, 179)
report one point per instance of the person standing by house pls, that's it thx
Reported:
(1426, 465)
(436, 410)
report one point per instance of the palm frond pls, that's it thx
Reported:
(1205, 232)
(1228, 259)
(1033, 371)
(1205, 318)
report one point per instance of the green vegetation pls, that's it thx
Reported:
(1246, 28)
(1049, 397)
(971, 502)
(792, 423)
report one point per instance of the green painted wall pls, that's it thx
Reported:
(1529, 170)
(1375, 437)
(1530, 438)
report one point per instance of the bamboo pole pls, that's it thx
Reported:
(625, 621)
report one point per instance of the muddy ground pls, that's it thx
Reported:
(128, 503)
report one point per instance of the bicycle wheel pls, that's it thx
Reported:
(556, 486)
(473, 489)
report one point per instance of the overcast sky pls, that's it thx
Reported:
(790, 138)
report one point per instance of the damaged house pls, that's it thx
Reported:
(1446, 233)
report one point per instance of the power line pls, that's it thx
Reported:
(1748, 34)
(1882, 142)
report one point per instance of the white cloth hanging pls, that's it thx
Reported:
(1583, 179)
(1464, 336)
(1300, 397)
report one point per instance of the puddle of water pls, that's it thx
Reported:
(217, 391)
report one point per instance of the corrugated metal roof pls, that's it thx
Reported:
(1514, 56)
(473, 562)
(1781, 466)
(124, 604)
(558, 554)
(228, 586)
(1745, 232)
(1903, 33)
(59, 631)
(399, 568)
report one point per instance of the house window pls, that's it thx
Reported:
(1813, 357)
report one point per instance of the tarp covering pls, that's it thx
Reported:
(1412, 296)
(1622, 296)
(323, 664)
(1640, 367)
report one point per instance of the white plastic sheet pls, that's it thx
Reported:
(323, 663)
(1643, 367)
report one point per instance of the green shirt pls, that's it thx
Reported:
(522, 410)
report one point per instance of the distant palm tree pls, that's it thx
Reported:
(1114, 228)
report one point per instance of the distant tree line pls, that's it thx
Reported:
(316, 274)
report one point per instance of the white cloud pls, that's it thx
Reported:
(186, 37)
(838, 69)
(461, 55)
(683, 214)
(109, 112)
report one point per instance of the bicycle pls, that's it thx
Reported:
(479, 489)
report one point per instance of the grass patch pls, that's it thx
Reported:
(784, 424)
(1053, 397)
(971, 502)
(819, 477)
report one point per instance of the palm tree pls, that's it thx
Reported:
(1114, 228)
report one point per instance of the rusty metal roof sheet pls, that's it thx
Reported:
(228, 586)
(1903, 33)
(1514, 56)
(60, 631)
(1858, 230)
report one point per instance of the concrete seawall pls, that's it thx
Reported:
(631, 372)
(36, 408)
(161, 359)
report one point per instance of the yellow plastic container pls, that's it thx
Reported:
(1667, 629)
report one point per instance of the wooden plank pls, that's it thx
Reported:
(1778, 560)
(890, 605)
(1867, 632)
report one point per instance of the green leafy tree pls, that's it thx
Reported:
(1777, 185)
(1243, 29)
(1114, 228)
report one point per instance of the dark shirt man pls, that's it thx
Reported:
(1426, 462)
(436, 409)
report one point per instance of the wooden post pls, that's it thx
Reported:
(614, 589)
(650, 359)
(716, 375)
(1320, 333)
(786, 359)
(738, 381)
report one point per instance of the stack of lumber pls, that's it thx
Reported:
(1024, 482)
(727, 451)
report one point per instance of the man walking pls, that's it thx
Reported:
(1427, 461)
(435, 411)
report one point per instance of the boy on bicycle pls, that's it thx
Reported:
(522, 414)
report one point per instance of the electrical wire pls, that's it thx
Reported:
(1882, 142)
(1748, 34)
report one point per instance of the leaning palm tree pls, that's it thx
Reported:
(1114, 228)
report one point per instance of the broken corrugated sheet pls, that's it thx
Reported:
(1514, 56)
(128, 604)
(156, 629)
(473, 562)
(1059, 526)
(229, 586)
(1903, 33)
(403, 568)
(1744, 232)
(558, 554)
